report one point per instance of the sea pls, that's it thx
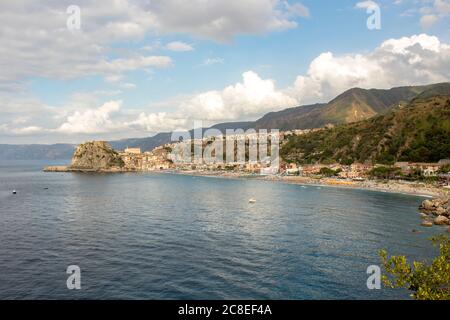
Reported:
(171, 236)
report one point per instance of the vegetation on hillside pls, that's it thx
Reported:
(353, 105)
(418, 132)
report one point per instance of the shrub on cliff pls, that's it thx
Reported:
(427, 281)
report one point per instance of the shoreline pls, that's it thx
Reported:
(418, 189)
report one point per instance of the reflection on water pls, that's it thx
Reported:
(161, 236)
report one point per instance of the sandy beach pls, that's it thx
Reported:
(404, 187)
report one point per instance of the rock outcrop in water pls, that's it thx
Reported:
(96, 156)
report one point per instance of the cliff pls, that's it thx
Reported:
(95, 156)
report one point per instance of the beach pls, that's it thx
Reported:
(392, 186)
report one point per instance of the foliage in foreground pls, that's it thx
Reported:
(427, 281)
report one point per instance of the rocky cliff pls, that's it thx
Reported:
(95, 156)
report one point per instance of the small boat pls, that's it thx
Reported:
(252, 201)
(14, 192)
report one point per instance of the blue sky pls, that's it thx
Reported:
(156, 66)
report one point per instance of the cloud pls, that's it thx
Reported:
(296, 10)
(222, 20)
(212, 61)
(428, 20)
(247, 99)
(415, 60)
(419, 59)
(429, 11)
(366, 5)
(159, 121)
(92, 120)
(179, 46)
(37, 42)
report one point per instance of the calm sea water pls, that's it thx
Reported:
(162, 236)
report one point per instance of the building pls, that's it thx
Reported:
(133, 150)
(312, 169)
(444, 162)
(404, 167)
(427, 169)
(158, 159)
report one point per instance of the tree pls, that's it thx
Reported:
(445, 169)
(384, 172)
(327, 172)
(427, 281)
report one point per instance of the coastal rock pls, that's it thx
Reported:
(441, 220)
(428, 205)
(95, 156)
(427, 223)
(423, 215)
(437, 207)
(440, 211)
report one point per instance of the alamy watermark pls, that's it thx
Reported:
(374, 279)
(235, 147)
(374, 19)
(73, 21)
(374, 11)
(74, 280)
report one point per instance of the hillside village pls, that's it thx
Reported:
(160, 158)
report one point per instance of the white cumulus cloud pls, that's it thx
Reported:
(92, 120)
(419, 59)
(179, 46)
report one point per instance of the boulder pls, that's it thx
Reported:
(428, 205)
(440, 211)
(427, 223)
(441, 220)
(423, 215)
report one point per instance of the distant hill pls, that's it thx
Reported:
(418, 132)
(353, 105)
(36, 152)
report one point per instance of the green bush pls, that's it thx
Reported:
(427, 281)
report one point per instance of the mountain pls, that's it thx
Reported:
(303, 117)
(36, 152)
(353, 105)
(418, 132)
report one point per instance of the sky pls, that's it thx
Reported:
(73, 71)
